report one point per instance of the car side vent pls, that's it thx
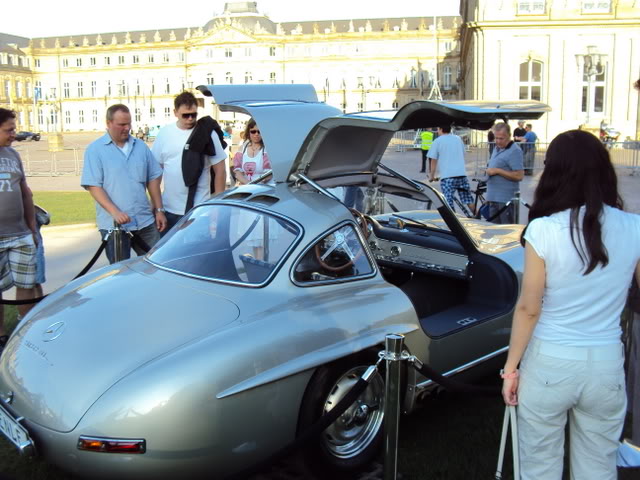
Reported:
(238, 196)
(264, 199)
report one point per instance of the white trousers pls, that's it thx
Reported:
(587, 385)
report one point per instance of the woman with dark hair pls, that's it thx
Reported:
(581, 251)
(251, 160)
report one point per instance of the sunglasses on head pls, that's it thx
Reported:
(254, 131)
(190, 115)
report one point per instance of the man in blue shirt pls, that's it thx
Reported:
(505, 171)
(118, 170)
(529, 149)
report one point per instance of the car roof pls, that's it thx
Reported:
(303, 135)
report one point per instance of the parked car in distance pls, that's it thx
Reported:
(20, 136)
(256, 314)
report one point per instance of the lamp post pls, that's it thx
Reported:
(592, 65)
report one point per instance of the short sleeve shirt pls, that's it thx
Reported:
(500, 189)
(577, 309)
(449, 151)
(12, 221)
(124, 178)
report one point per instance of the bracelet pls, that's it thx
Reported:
(509, 376)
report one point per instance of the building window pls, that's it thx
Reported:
(593, 93)
(65, 62)
(531, 7)
(138, 115)
(394, 105)
(209, 53)
(80, 89)
(228, 52)
(80, 116)
(28, 89)
(272, 51)
(247, 51)
(65, 90)
(596, 6)
(248, 78)
(446, 77)
(272, 77)
(153, 87)
(150, 58)
(78, 62)
(109, 88)
(165, 57)
(360, 106)
(37, 62)
(167, 86)
(448, 46)
(40, 117)
(210, 79)
(152, 112)
(229, 78)
(92, 61)
(18, 89)
(94, 88)
(67, 117)
(94, 116)
(120, 59)
(107, 60)
(7, 89)
(530, 85)
(167, 112)
(135, 59)
(137, 87)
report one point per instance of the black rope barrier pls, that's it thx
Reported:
(87, 267)
(141, 243)
(311, 433)
(454, 385)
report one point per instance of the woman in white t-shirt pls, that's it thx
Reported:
(251, 160)
(581, 252)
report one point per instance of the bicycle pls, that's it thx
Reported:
(480, 201)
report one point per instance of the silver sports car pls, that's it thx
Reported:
(259, 310)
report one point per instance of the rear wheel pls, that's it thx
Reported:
(353, 441)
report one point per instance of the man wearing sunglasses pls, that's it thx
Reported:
(169, 147)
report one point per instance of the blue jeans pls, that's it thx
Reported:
(172, 219)
(148, 234)
(354, 198)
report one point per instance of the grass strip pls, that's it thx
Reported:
(67, 208)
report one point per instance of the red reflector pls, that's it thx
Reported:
(112, 445)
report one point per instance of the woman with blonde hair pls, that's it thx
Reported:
(581, 252)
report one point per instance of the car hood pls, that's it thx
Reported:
(492, 238)
(68, 353)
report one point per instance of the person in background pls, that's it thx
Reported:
(519, 131)
(118, 171)
(581, 252)
(426, 139)
(18, 231)
(251, 160)
(505, 172)
(169, 149)
(528, 145)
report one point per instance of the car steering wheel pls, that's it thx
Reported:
(362, 222)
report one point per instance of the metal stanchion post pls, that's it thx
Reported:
(515, 204)
(394, 345)
(118, 250)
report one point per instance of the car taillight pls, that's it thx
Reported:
(112, 445)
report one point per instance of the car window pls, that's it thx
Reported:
(226, 242)
(337, 256)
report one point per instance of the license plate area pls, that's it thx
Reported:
(14, 432)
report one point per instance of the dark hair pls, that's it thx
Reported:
(185, 98)
(578, 172)
(118, 107)
(245, 134)
(6, 115)
(445, 128)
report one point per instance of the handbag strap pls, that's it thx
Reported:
(509, 418)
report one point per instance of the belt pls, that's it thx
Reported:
(612, 351)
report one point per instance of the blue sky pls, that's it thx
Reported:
(74, 17)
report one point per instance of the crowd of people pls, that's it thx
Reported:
(582, 251)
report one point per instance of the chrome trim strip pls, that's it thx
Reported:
(407, 180)
(317, 187)
(426, 383)
(260, 178)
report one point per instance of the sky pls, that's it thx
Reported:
(45, 18)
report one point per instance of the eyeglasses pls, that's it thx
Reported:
(190, 115)
(253, 132)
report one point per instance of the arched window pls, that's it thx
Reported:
(229, 78)
(530, 80)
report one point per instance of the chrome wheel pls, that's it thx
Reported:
(358, 426)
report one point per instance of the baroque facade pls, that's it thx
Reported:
(579, 56)
(66, 83)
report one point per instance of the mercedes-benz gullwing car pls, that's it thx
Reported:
(258, 311)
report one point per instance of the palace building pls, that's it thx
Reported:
(67, 83)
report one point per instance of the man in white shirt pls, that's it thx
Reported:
(168, 149)
(447, 157)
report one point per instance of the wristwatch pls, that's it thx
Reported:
(160, 210)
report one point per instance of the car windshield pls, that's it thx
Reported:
(228, 243)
